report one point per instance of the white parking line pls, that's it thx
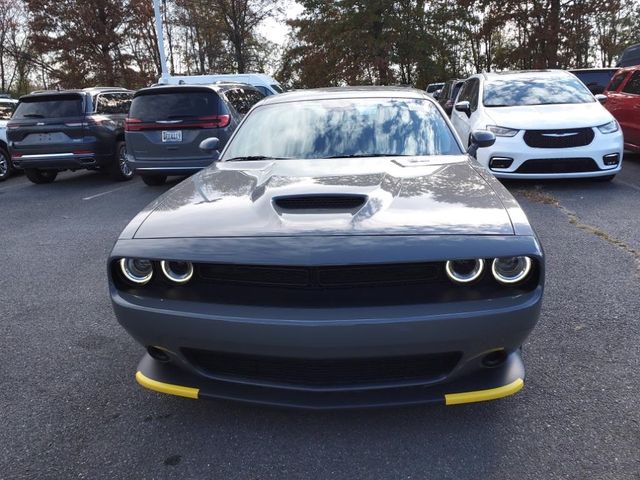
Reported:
(104, 193)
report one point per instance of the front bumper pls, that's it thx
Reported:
(475, 329)
(515, 148)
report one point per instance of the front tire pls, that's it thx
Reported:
(40, 176)
(120, 169)
(6, 167)
(154, 180)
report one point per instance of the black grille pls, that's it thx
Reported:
(558, 165)
(324, 372)
(322, 277)
(320, 202)
(576, 137)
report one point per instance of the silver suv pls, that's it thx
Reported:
(167, 123)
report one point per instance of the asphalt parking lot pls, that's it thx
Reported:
(72, 409)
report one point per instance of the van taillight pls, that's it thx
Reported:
(214, 121)
(132, 125)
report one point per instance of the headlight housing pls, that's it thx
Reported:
(510, 270)
(137, 271)
(177, 271)
(610, 127)
(464, 271)
(502, 131)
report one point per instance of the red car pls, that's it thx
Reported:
(623, 101)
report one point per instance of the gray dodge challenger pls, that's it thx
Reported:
(345, 251)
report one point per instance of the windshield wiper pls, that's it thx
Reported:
(33, 115)
(254, 157)
(365, 155)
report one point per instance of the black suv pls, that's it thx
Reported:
(448, 95)
(52, 131)
(166, 125)
(595, 79)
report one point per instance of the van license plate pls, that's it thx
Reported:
(172, 135)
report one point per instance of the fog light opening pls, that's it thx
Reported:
(611, 159)
(158, 354)
(500, 162)
(494, 359)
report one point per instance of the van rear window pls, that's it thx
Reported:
(58, 106)
(152, 107)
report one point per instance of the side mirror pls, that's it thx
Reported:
(209, 145)
(601, 98)
(436, 95)
(480, 139)
(463, 107)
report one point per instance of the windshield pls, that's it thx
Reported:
(540, 90)
(343, 128)
(49, 107)
(276, 88)
(173, 104)
(6, 109)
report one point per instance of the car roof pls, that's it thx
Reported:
(88, 90)
(626, 70)
(523, 74)
(346, 92)
(603, 69)
(216, 87)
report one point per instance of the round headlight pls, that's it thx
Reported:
(137, 270)
(177, 272)
(511, 270)
(464, 271)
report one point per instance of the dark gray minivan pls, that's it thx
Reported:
(167, 123)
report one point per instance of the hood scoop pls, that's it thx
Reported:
(320, 203)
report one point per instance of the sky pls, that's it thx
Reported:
(277, 31)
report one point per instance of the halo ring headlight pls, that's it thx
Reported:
(510, 270)
(176, 271)
(459, 271)
(136, 270)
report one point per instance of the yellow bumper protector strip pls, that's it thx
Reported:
(169, 388)
(484, 395)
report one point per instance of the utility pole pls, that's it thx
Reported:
(164, 77)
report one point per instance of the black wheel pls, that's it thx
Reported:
(6, 168)
(154, 180)
(40, 176)
(119, 169)
(606, 178)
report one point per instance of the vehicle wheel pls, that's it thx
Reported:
(606, 178)
(120, 169)
(6, 168)
(40, 176)
(154, 180)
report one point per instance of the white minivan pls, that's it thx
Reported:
(547, 125)
(264, 83)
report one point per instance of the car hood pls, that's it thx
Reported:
(548, 117)
(406, 195)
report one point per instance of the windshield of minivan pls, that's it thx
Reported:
(169, 105)
(58, 106)
(6, 109)
(540, 90)
(343, 128)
